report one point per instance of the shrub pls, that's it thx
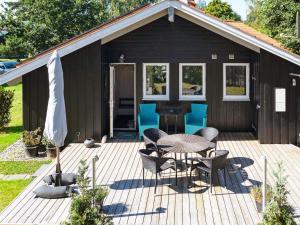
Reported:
(6, 98)
(32, 138)
(256, 192)
(83, 210)
(278, 211)
(47, 143)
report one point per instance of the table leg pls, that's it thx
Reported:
(176, 124)
(167, 124)
(186, 170)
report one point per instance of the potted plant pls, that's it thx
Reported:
(50, 147)
(256, 193)
(32, 140)
(99, 196)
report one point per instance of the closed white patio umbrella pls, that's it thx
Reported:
(56, 122)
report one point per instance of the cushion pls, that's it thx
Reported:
(66, 179)
(51, 192)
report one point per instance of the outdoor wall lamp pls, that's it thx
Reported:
(122, 58)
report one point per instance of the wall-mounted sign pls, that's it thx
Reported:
(280, 99)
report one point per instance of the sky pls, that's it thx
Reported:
(240, 6)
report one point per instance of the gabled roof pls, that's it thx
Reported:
(235, 31)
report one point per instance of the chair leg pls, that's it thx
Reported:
(225, 177)
(210, 180)
(192, 162)
(143, 177)
(155, 183)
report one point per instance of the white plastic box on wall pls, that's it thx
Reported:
(280, 99)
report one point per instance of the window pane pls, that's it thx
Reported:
(192, 80)
(235, 80)
(156, 79)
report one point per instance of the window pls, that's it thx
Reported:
(156, 81)
(192, 81)
(236, 81)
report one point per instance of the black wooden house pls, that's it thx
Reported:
(169, 52)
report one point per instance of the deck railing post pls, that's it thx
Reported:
(264, 184)
(95, 159)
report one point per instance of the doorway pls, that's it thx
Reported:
(122, 97)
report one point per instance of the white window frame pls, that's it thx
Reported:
(192, 97)
(237, 97)
(156, 97)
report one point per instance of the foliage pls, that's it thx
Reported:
(100, 194)
(278, 211)
(35, 26)
(47, 143)
(256, 192)
(6, 99)
(9, 189)
(222, 10)
(12, 132)
(32, 138)
(21, 167)
(83, 209)
(83, 180)
(276, 18)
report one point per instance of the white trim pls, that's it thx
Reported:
(191, 97)
(235, 32)
(137, 17)
(217, 31)
(85, 40)
(156, 97)
(237, 97)
(135, 96)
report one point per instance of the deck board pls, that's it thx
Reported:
(129, 202)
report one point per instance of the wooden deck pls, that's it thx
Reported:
(128, 202)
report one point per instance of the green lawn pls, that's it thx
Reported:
(235, 91)
(13, 132)
(10, 189)
(21, 167)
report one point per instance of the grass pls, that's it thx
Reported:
(235, 91)
(10, 189)
(21, 167)
(8, 60)
(12, 133)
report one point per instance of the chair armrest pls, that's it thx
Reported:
(187, 117)
(157, 118)
(204, 121)
(139, 119)
(163, 160)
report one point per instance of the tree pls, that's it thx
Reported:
(222, 10)
(277, 19)
(278, 211)
(36, 25)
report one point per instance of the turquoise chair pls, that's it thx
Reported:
(196, 119)
(147, 118)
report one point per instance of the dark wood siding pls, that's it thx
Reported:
(185, 42)
(83, 94)
(276, 127)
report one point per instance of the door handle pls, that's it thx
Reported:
(258, 106)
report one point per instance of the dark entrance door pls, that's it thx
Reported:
(294, 110)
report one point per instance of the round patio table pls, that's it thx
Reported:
(183, 143)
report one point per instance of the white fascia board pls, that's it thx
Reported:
(235, 32)
(84, 41)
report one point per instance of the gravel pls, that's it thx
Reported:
(16, 152)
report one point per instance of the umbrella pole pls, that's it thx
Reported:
(58, 168)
